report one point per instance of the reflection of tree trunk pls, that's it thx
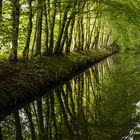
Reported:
(95, 73)
(91, 85)
(79, 97)
(40, 116)
(69, 90)
(82, 120)
(79, 104)
(102, 71)
(60, 124)
(70, 131)
(18, 126)
(93, 89)
(1, 136)
(53, 114)
(35, 112)
(66, 103)
(47, 116)
(72, 105)
(29, 115)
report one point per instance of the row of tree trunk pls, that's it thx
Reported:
(57, 26)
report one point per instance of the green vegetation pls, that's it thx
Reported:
(31, 28)
(43, 42)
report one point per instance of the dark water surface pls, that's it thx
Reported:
(102, 103)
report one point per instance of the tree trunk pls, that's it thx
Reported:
(65, 32)
(107, 39)
(34, 40)
(92, 30)
(96, 40)
(39, 28)
(82, 34)
(15, 30)
(26, 49)
(78, 29)
(52, 24)
(46, 29)
(88, 27)
(57, 47)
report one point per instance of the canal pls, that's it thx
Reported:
(101, 103)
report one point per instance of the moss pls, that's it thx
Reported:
(22, 81)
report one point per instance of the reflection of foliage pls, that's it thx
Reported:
(120, 95)
(8, 129)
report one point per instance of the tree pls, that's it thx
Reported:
(57, 47)
(62, 26)
(46, 26)
(26, 49)
(15, 28)
(0, 8)
(51, 31)
(39, 28)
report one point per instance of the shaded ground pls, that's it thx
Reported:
(25, 80)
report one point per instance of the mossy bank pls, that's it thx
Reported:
(24, 81)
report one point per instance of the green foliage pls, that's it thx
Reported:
(124, 21)
(5, 27)
(120, 94)
(120, 19)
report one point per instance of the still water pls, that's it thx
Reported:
(102, 103)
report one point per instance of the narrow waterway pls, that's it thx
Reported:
(102, 103)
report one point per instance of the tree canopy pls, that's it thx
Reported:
(31, 28)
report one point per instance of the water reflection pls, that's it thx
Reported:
(99, 104)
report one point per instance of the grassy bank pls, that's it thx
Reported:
(20, 81)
